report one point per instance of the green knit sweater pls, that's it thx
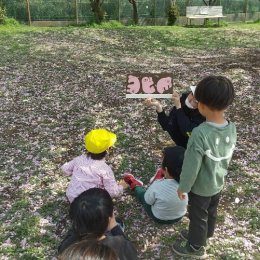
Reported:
(207, 157)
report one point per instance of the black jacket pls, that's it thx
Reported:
(180, 122)
(116, 240)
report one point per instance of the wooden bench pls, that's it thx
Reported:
(203, 12)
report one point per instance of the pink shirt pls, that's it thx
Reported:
(87, 173)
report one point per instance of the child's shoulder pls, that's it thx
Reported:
(232, 125)
(160, 182)
(200, 129)
(81, 157)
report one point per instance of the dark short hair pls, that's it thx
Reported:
(97, 156)
(88, 249)
(173, 160)
(90, 213)
(216, 92)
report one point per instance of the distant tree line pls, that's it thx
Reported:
(100, 10)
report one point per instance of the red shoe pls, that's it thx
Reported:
(158, 175)
(131, 180)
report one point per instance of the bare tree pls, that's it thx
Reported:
(135, 12)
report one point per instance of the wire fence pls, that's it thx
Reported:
(68, 10)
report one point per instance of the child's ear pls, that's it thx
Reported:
(201, 105)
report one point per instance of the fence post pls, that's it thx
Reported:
(245, 8)
(154, 12)
(118, 10)
(28, 12)
(76, 12)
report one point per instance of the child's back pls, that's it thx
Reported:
(91, 171)
(166, 205)
(87, 173)
(216, 143)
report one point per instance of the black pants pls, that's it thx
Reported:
(202, 214)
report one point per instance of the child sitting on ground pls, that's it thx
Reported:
(160, 200)
(92, 216)
(90, 170)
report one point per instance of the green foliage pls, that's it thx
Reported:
(173, 14)
(112, 24)
(257, 21)
(252, 214)
(2, 15)
(10, 21)
(105, 25)
(209, 23)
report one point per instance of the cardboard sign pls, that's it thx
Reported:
(144, 85)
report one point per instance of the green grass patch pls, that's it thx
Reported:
(252, 214)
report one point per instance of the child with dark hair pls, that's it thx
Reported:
(183, 117)
(160, 200)
(92, 216)
(88, 250)
(205, 165)
(90, 170)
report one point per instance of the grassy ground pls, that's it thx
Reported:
(58, 83)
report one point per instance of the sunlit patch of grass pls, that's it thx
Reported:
(141, 167)
(230, 255)
(169, 239)
(251, 214)
(221, 217)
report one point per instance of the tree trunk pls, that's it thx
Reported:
(135, 12)
(96, 6)
(28, 12)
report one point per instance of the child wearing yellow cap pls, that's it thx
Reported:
(91, 170)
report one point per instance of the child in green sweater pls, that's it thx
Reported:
(205, 165)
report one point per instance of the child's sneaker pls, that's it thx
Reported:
(184, 235)
(131, 180)
(185, 249)
(158, 175)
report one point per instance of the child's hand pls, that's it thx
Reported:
(176, 99)
(181, 195)
(123, 183)
(152, 102)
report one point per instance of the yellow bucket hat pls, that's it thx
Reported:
(99, 140)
